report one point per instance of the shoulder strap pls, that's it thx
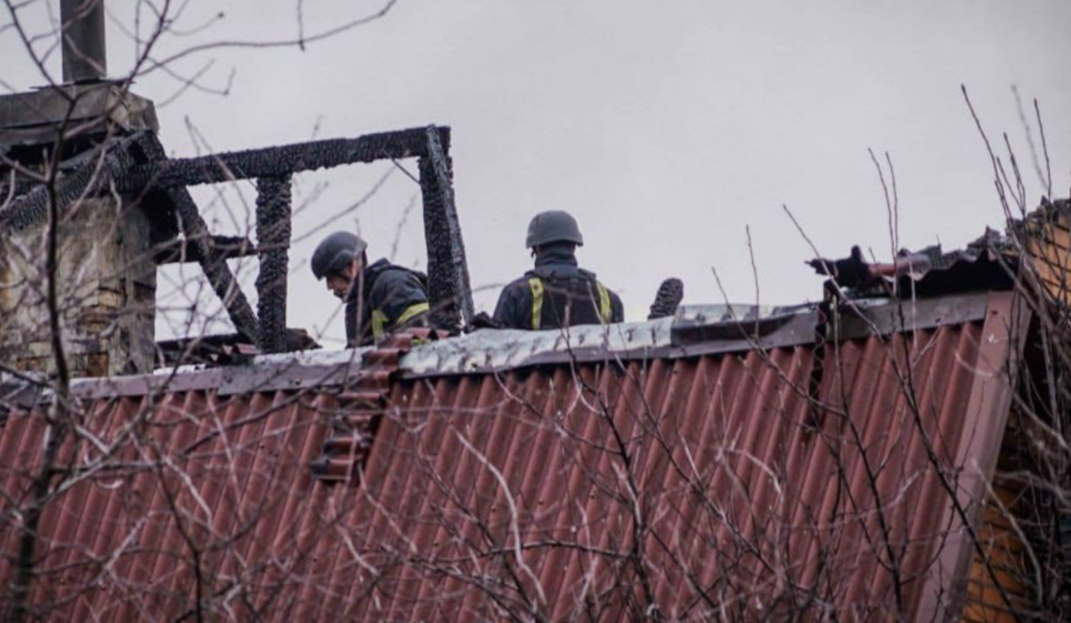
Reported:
(605, 308)
(379, 325)
(535, 284)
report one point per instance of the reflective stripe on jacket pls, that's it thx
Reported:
(571, 313)
(557, 293)
(384, 297)
(381, 321)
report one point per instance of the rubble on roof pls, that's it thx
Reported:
(993, 261)
(986, 263)
(989, 262)
(224, 349)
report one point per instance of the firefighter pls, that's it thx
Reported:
(556, 293)
(379, 297)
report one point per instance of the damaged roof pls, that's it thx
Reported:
(814, 461)
(502, 472)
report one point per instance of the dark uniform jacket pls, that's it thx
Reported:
(557, 293)
(383, 298)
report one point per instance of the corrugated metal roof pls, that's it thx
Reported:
(701, 483)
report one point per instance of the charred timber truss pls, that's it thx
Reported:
(273, 233)
(136, 166)
(448, 274)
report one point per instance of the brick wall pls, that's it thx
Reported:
(107, 292)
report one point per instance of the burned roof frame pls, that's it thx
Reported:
(137, 166)
(472, 354)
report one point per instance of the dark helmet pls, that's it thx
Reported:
(335, 252)
(553, 226)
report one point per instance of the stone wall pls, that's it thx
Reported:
(107, 293)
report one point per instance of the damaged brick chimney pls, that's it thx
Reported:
(105, 273)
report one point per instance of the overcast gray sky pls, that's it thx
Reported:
(666, 127)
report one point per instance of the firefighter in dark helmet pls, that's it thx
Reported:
(556, 293)
(379, 297)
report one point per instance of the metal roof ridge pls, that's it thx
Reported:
(495, 349)
(694, 331)
(687, 334)
(270, 372)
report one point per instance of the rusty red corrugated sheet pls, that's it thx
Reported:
(740, 486)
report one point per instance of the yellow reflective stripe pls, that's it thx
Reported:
(379, 324)
(411, 312)
(536, 285)
(605, 309)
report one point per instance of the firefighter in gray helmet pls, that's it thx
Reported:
(380, 297)
(556, 293)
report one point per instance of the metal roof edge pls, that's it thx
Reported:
(496, 349)
(286, 371)
(945, 584)
(21, 392)
(687, 335)
(492, 350)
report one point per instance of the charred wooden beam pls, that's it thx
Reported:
(213, 261)
(121, 167)
(222, 349)
(280, 161)
(667, 299)
(93, 176)
(178, 251)
(214, 264)
(273, 237)
(14, 185)
(450, 291)
(138, 166)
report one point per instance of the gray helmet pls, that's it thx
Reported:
(553, 226)
(335, 252)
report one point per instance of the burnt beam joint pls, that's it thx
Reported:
(213, 262)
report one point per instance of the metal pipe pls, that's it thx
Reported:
(84, 56)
